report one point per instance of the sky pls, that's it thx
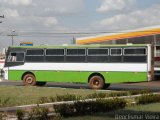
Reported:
(53, 22)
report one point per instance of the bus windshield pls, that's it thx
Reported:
(15, 57)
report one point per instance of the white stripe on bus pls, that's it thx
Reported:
(121, 67)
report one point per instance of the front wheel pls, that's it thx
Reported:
(29, 80)
(96, 82)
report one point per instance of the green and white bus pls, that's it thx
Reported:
(97, 65)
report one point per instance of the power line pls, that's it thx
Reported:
(66, 34)
(81, 32)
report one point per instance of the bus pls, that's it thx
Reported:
(96, 65)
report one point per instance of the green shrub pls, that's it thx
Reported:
(38, 113)
(43, 100)
(112, 104)
(64, 110)
(20, 114)
(52, 99)
(67, 97)
(136, 92)
(85, 107)
(96, 95)
(89, 107)
(56, 117)
(76, 109)
(145, 99)
(117, 94)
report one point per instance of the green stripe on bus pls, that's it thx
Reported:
(80, 76)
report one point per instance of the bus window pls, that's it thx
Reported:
(54, 55)
(135, 55)
(35, 55)
(54, 52)
(116, 51)
(76, 52)
(75, 55)
(97, 55)
(115, 55)
(98, 52)
(35, 52)
(134, 51)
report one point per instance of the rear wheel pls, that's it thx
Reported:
(96, 82)
(29, 80)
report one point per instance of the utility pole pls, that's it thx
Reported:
(73, 41)
(12, 35)
(1, 17)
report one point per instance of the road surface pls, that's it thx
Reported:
(153, 85)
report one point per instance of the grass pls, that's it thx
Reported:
(149, 109)
(94, 117)
(22, 95)
(155, 107)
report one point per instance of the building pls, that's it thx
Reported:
(149, 35)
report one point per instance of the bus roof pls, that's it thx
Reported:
(80, 46)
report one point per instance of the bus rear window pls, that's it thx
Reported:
(134, 51)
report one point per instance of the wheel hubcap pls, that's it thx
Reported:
(96, 82)
(29, 80)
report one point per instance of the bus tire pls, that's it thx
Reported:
(41, 83)
(29, 80)
(96, 82)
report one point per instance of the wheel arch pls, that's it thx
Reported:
(94, 74)
(27, 72)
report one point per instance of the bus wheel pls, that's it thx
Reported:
(29, 80)
(96, 82)
(40, 83)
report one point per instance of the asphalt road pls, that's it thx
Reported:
(153, 85)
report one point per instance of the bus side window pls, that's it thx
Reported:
(35, 55)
